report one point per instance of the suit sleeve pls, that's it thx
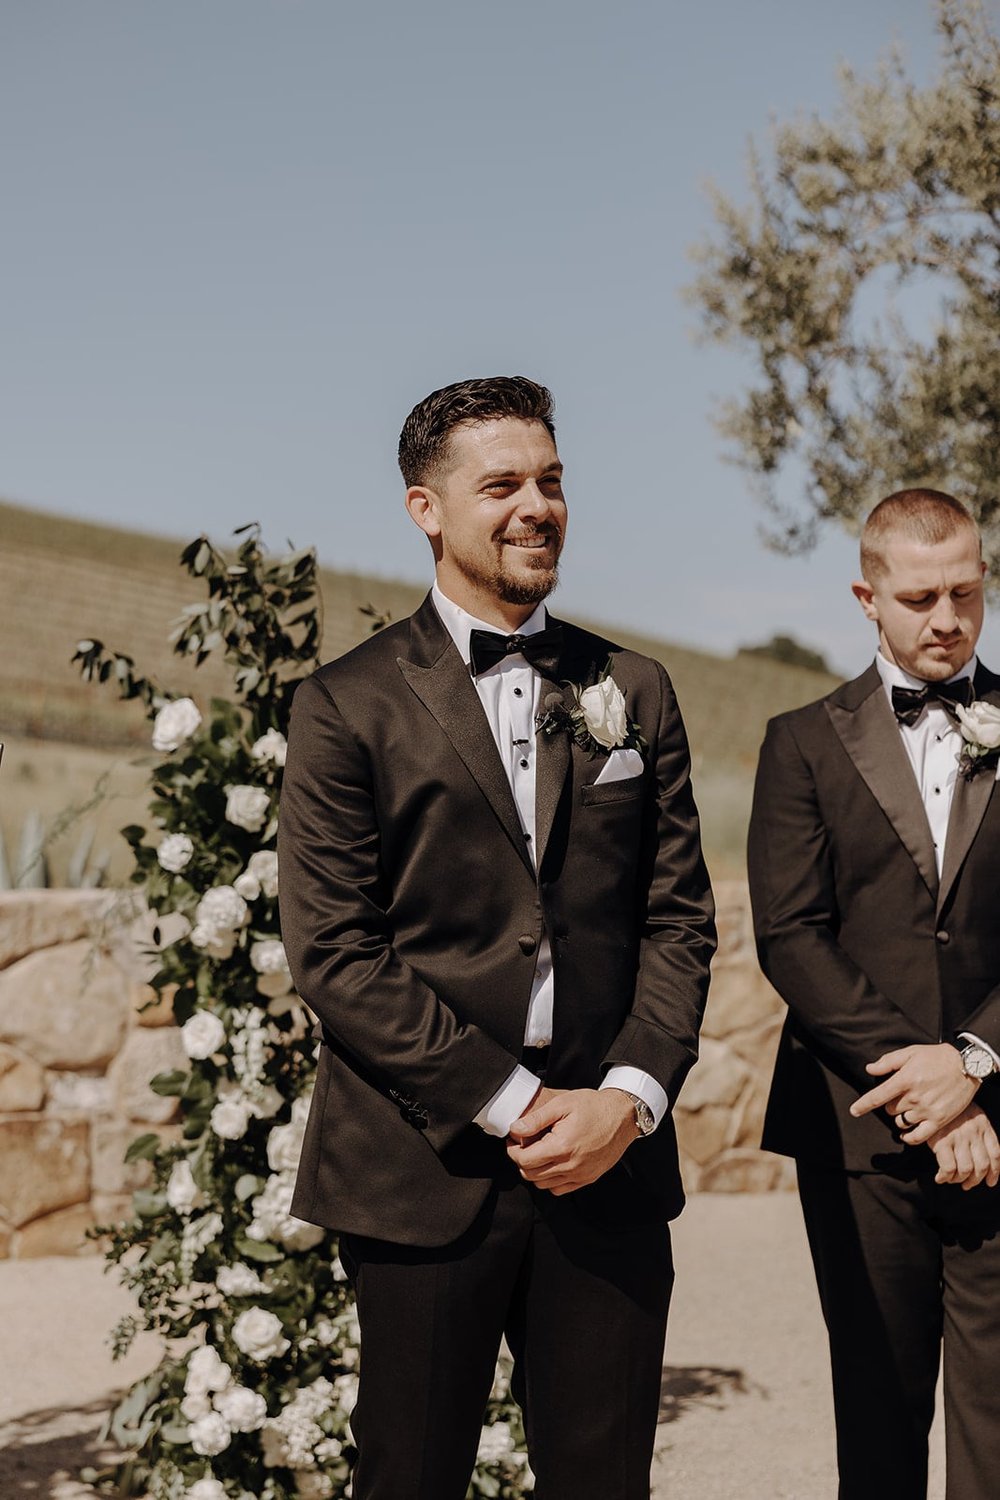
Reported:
(660, 1034)
(796, 920)
(334, 900)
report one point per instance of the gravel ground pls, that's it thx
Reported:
(746, 1401)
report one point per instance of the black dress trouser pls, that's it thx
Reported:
(579, 1285)
(902, 1265)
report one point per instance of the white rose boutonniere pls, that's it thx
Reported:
(980, 728)
(598, 720)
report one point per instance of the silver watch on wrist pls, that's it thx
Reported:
(645, 1121)
(977, 1062)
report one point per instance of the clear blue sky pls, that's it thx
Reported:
(241, 239)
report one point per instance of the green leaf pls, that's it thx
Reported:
(170, 1084)
(262, 1251)
(143, 1148)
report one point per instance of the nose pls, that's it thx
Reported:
(532, 504)
(944, 619)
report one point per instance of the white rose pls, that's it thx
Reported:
(175, 723)
(223, 908)
(206, 1489)
(230, 1117)
(210, 1435)
(174, 853)
(202, 1034)
(266, 1102)
(183, 1193)
(243, 1409)
(604, 712)
(260, 876)
(247, 807)
(284, 1146)
(272, 748)
(980, 724)
(206, 1371)
(238, 1281)
(258, 1334)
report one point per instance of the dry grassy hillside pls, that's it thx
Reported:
(61, 580)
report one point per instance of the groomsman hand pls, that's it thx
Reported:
(925, 1090)
(967, 1150)
(571, 1137)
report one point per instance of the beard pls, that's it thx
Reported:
(511, 587)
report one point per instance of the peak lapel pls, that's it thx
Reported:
(870, 735)
(969, 802)
(440, 679)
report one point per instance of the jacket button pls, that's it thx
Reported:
(526, 943)
(943, 937)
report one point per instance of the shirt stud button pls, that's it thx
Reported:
(518, 692)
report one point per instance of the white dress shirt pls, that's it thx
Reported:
(510, 693)
(933, 745)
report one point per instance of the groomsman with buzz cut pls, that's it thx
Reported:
(874, 866)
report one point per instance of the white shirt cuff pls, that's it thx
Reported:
(970, 1036)
(508, 1103)
(635, 1081)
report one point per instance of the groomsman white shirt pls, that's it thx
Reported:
(933, 745)
(510, 693)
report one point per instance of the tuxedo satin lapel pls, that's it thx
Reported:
(969, 803)
(870, 735)
(552, 757)
(447, 691)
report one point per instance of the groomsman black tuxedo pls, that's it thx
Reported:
(412, 913)
(874, 951)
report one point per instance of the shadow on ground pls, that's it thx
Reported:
(688, 1385)
(41, 1454)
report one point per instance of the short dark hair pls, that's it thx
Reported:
(424, 438)
(927, 516)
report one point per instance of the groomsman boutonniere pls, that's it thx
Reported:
(980, 728)
(597, 720)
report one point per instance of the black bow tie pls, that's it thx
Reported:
(909, 703)
(487, 647)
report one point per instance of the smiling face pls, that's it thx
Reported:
(496, 518)
(927, 601)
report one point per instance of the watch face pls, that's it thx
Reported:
(977, 1062)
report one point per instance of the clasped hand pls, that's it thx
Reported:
(571, 1137)
(928, 1093)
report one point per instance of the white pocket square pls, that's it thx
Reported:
(620, 765)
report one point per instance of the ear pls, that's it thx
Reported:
(864, 594)
(423, 505)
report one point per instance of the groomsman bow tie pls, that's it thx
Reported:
(909, 703)
(487, 647)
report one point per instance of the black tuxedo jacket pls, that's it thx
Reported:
(412, 914)
(870, 950)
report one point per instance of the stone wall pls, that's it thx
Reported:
(81, 1034)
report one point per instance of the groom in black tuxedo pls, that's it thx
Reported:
(505, 931)
(875, 878)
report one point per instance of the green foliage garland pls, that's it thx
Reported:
(253, 1395)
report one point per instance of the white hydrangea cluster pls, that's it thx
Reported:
(260, 878)
(247, 807)
(250, 1097)
(273, 1220)
(239, 1280)
(175, 723)
(294, 1438)
(215, 1404)
(219, 916)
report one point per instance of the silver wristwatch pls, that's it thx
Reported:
(645, 1122)
(977, 1062)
